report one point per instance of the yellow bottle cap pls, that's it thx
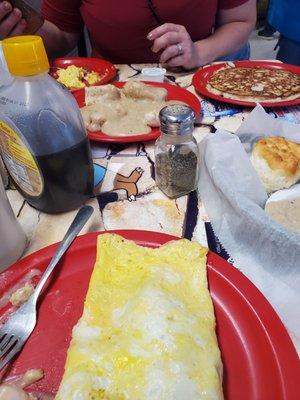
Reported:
(25, 55)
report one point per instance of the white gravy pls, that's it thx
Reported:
(124, 116)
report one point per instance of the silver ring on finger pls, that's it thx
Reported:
(179, 49)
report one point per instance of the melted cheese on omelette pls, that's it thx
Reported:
(147, 329)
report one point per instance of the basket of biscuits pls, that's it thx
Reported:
(274, 150)
(249, 186)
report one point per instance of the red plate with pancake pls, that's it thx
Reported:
(174, 93)
(105, 69)
(260, 362)
(202, 77)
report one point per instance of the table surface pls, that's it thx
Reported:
(116, 206)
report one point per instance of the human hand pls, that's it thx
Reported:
(176, 45)
(11, 21)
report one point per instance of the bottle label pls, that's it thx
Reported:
(18, 159)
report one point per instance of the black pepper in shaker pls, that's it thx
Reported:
(176, 151)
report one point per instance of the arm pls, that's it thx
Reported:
(57, 42)
(233, 29)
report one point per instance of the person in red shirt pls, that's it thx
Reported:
(185, 33)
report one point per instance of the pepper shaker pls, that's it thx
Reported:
(176, 151)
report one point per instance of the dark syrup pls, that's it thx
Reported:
(68, 179)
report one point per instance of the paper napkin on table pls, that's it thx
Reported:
(260, 124)
(234, 198)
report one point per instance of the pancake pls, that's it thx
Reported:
(255, 84)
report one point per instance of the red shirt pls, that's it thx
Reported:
(118, 28)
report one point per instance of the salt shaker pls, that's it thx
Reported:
(12, 237)
(176, 151)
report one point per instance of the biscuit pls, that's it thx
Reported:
(284, 207)
(277, 162)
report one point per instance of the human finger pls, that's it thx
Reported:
(5, 8)
(10, 22)
(162, 29)
(177, 61)
(19, 28)
(165, 41)
(171, 52)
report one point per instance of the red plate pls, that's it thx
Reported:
(174, 93)
(260, 362)
(104, 68)
(201, 78)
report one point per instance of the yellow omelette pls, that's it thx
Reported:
(148, 328)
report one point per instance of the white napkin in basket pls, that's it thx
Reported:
(266, 252)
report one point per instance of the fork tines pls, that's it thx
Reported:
(8, 347)
(7, 342)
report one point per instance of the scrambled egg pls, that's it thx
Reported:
(92, 77)
(74, 77)
(22, 294)
(148, 329)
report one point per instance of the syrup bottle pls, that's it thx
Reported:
(42, 137)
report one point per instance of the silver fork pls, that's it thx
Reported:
(18, 328)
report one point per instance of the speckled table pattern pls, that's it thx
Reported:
(128, 197)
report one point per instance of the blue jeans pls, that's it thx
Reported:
(289, 51)
(242, 54)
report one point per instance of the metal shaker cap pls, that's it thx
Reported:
(177, 119)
